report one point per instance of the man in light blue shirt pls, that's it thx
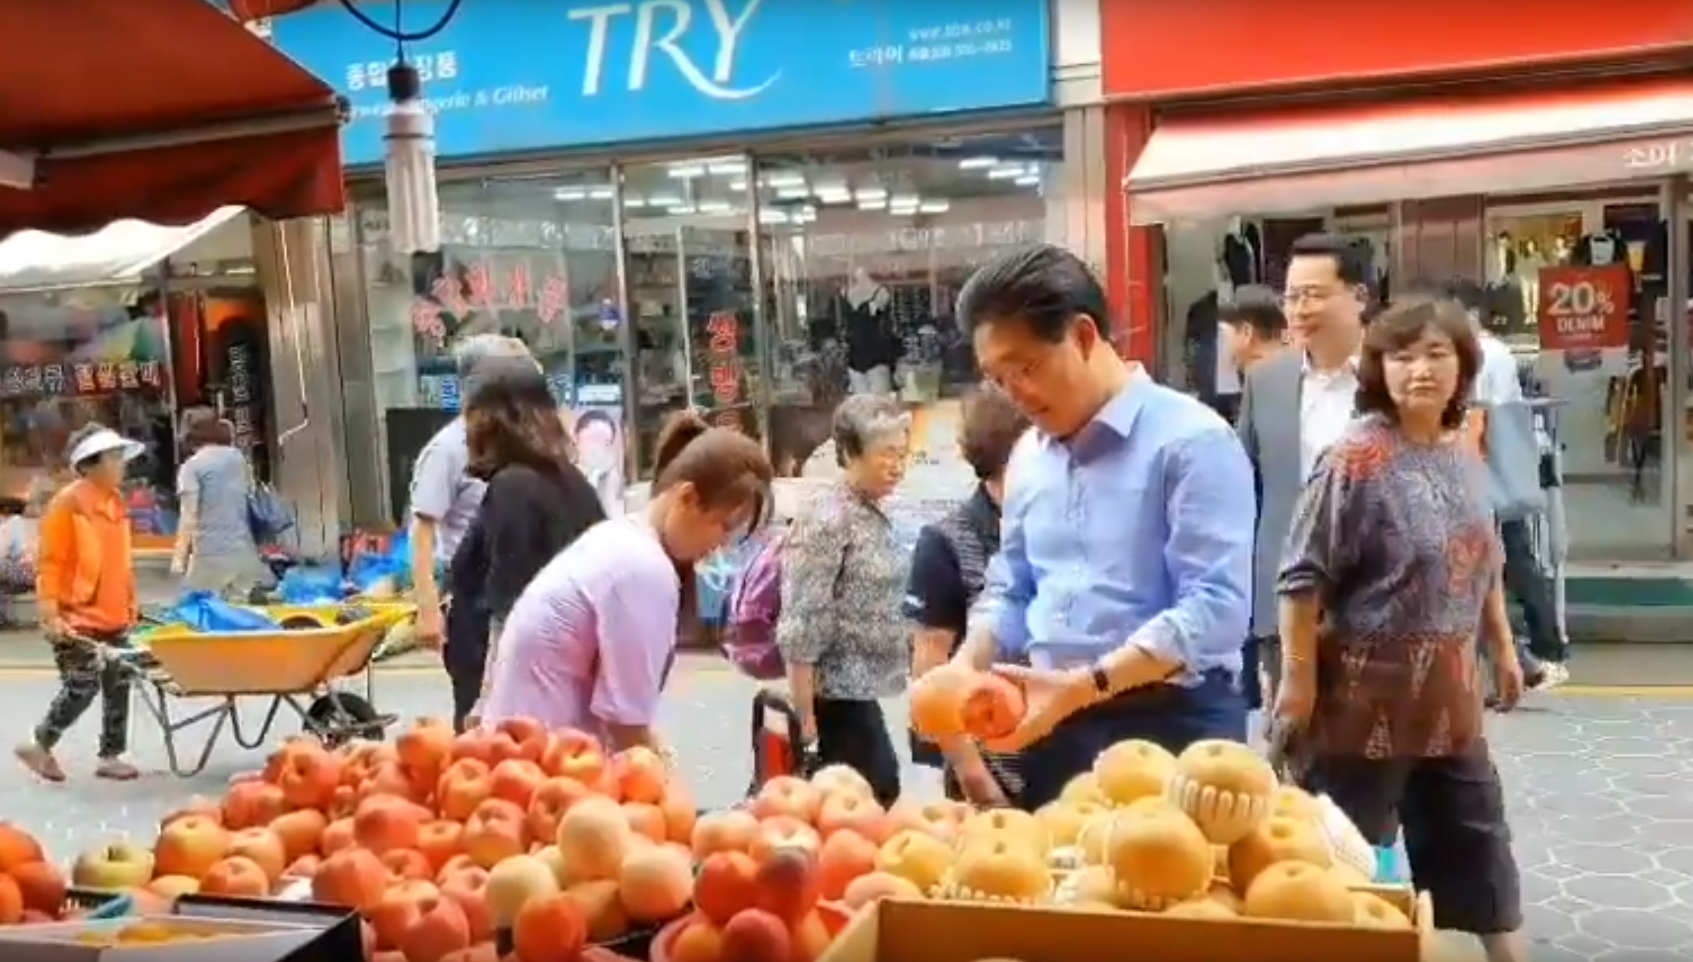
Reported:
(1125, 567)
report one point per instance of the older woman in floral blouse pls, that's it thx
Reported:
(840, 630)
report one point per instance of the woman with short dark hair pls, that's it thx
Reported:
(948, 569)
(215, 547)
(1392, 569)
(537, 503)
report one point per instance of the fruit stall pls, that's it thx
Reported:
(521, 843)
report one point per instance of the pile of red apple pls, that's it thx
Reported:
(439, 840)
(770, 870)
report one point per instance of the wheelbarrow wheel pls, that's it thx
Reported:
(339, 718)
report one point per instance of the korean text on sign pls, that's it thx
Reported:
(373, 74)
(949, 41)
(1584, 308)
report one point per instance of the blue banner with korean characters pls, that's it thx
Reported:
(529, 75)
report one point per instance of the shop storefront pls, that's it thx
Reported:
(1546, 159)
(750, 212)
(128, 327)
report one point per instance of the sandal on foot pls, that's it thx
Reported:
(41, 762)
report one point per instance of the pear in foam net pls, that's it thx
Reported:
(1158, 857)
(1132, 770)
(1001, 870)
(1004, 824)
(1373, 911)
(1063, 821)
(1224, 787)
(1295, 891)
(1276, 839)
(1290, 801)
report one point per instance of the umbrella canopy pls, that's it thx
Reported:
(161, 111)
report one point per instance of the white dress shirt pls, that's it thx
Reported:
(1327, 401)
(1496, 382)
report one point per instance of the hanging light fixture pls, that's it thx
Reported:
(414, 207)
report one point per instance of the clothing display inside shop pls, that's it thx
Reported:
(891, 332)
(1239, 262)
(867, 326)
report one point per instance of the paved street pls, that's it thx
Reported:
(1600, 791)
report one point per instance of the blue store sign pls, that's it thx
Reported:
(515, 75)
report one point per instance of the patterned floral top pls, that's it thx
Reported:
(1398, 541)
(842, 580)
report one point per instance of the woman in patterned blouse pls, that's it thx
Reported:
(840, 630)
(1392, 570)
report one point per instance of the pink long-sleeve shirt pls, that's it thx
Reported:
(589, 640)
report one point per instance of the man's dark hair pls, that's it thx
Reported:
(1466, 292)
(1257, 307)
(1353, 263)
(1042, 287)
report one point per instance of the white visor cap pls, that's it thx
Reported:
(102, 441)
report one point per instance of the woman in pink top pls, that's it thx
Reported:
(590, 640)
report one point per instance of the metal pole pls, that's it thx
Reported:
(762, 344)
(1677, 262)
(626, 338)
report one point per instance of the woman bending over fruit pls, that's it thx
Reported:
(589, 642)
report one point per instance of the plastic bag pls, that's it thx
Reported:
(311, 586)
(205, 612)
(381, 570)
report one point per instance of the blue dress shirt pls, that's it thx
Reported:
(1139, 529)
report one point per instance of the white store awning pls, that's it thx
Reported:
(1293, 159)
(117, 253)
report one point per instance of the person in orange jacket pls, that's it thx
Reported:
(85, 585)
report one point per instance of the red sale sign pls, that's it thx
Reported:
(1584, 308)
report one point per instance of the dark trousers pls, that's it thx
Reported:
(1172, 716)
(82, 679)
(855, 734)
(1452, 811)
(465, 656)
(1527, 584)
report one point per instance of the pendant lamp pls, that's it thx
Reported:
(414, 210)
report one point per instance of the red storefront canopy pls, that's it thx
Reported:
(161, 111)
(1285, 159)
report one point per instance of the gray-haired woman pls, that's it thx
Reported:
(840, 629)
(215, 548)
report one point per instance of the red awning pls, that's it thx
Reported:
(1288, 160)
(161, 111)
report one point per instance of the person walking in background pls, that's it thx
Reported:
(536, 504)
(1326, 297)
(839, 630)
(948, 568)
(1496, 386)
(1256, 326)
(86, 589)
(215, 548)
(1125, 556)
(20, 539)
(443, 502)
(590, 642)
(1391, 569)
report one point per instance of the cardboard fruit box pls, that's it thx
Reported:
(200, 929)
(920, 931)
